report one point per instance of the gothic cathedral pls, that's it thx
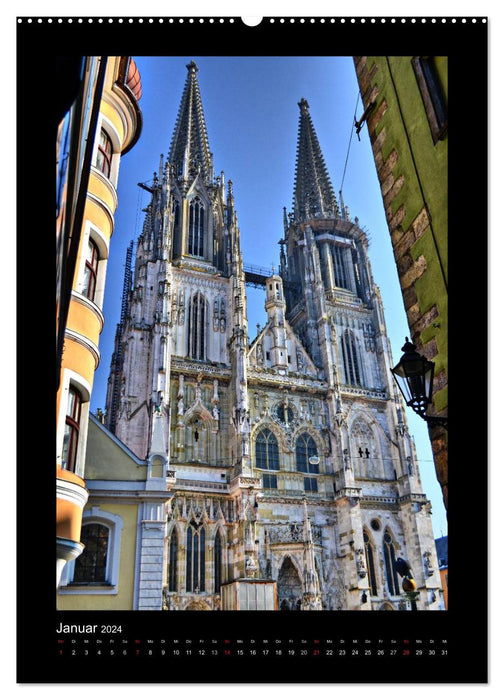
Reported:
(279, 472)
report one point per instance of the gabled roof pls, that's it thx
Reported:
(308, 362)
(107, 458)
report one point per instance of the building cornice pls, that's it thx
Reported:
(88, 304)
(85, 342)
(98, 201)
(71, 492)
(274, 378)
(179, 365)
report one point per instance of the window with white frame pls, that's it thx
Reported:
(96, 570)
(104, 155)
(91, 270)
(72, 429)
(91, 565)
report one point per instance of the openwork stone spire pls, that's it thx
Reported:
(313, 192)
(189, 150)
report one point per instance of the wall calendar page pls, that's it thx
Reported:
(255, 222)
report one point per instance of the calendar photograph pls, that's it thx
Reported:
(252, 344)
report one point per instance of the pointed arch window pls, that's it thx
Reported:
(353, 374)
(196, 227)
(217, 562)
(267, 457)
(267, 451)
(195, 563)
(197, 327)
(173, 562)
(306, 449)
(176, 244)
(176, 215)
(390, 561)
(339, 266)
(370, 563)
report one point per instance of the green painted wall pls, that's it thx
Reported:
(423, 166)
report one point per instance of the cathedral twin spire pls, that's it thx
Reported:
(189, 150)
(190, 153)
(313, 192)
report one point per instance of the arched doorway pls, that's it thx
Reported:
(290, 591)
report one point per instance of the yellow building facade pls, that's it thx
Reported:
(106, 114)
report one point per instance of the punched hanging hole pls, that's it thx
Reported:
(251, 21)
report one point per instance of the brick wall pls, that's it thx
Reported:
(409, 221)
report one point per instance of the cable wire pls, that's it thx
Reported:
(350, 140)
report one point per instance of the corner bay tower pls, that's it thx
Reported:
(280, 473)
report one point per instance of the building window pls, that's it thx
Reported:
(217, 562)
(370, 563)
(267, 451)
(176, 242)
(173, 562)
(91, 270)
(432, 93)
(269, 481)
(176, 216)
(340, 272)
(91, 565)
(104, 158)
(197, 327)
(306, 449)
(195, 565)
(196, 227)
(390, 560)
(285, 414)
(72, 429)
(310, 484)
(351, 359)
(96, 570)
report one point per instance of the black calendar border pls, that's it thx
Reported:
(465, 624)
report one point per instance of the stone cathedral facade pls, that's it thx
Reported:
(276, 473)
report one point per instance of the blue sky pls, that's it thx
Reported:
(251, 112)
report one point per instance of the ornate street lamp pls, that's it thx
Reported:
(414, 376)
